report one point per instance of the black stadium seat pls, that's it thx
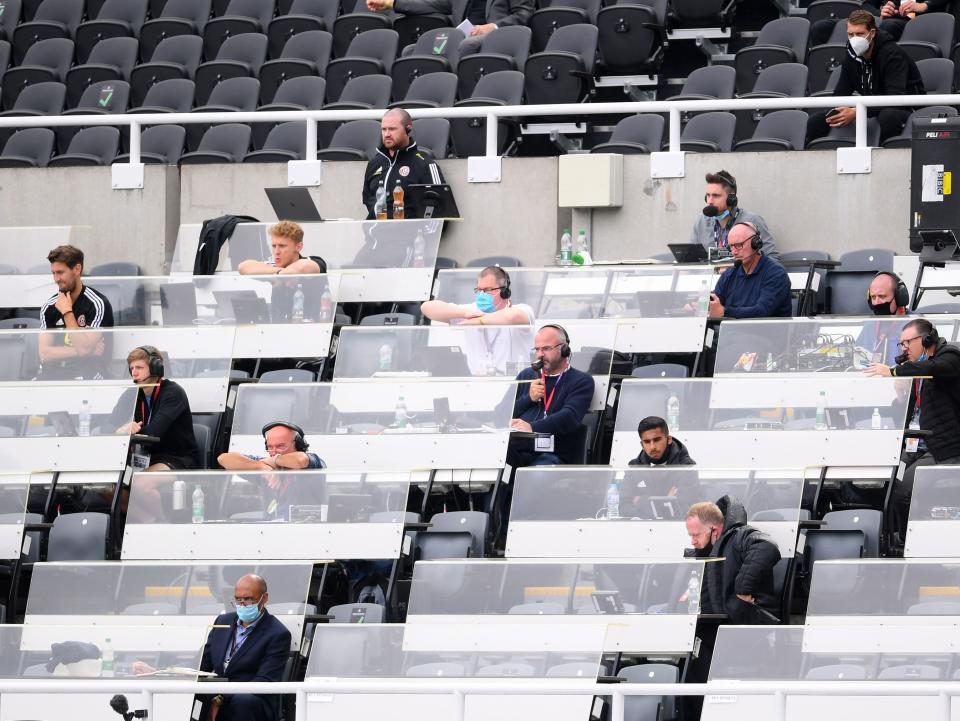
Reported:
(168, 96)
(562, 73)
(780, 41)
(9, 17)
(304, 16)
(176, 57)
(354, 140)
(45, 61)
(106, 97)
(361, 93)
(410, 28)
(709, 133)
(354, 23)
(6, 51)
(35, 100)
(90, 146)
(117, 18)
(554, 15)
(54, 19)
(111, 59)
(709, 83)
(822, 60)
(937, 74)
(226, 143)
(304, 93)
(503, 49)
(284, 142)
(929, 35)
(785, 80)
(504, 87)
(28, 148)
(240, 56)
(777, 130)
(433, 90)
(634, 135)
(305, 54)
(433, 136)
(435, 51)
(241, 17)
(232, 95)
(631, 36)
(370, 53)
(159, 144)
(179, 17)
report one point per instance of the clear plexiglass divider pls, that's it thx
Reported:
(179, 596)
(24, 248)
(772, 422)
(657, 308)
(377, 261)
(464, 352)
(14, 490)
(639, 512)
(387, 425)
(64, 426)
(650, 606)
(291, 515)
(934, 521)
(198, 359)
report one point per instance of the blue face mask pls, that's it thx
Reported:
(248, 614)
(484, 302)
(723, 215)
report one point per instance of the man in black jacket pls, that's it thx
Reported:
(659, 447)
(895, 15)
(398, 159)
(874, 65)
(934, 406)
(488, 15)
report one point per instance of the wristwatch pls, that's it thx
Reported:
(217, 700)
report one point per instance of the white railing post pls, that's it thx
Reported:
(617, 706)
(310, 150)
(946, 706)
(134, 143)
(675, 130)
(861, 127)
(301, 714)
(780, 698)
(146, 700)
(491, 128)
(459, 706)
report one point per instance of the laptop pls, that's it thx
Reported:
(293, 204)
(689, 252)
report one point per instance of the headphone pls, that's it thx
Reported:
(732, 198)
(503, 277)
(930, 339)
(565, 351)
(901, 296)
(154, 360)
(299, 443)
(756, 242)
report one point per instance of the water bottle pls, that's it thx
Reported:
(326, 305)
(298, 304)
(419, 245)
(400, 414)
(581, 250)
(566, 248)
(613, 500)
(704, 298)
(106, 659)
(380, 206)
(876, 423)
(198, 505)
(693, 594)
(771, 363)
(398, 207)
(179, 495)
(673, 413)
(821, 421)
(386, 357)
(84, 429)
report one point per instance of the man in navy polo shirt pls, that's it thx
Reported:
(755, 287)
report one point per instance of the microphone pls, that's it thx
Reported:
(120, 704)
(711, 212)
(537, 365)
(902, 358)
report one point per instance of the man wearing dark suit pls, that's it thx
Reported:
(488, 15)
(253, 647)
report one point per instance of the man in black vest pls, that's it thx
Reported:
(488, 15)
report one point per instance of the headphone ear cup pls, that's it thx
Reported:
(505, 292)
(565, 352)
(732, 200)
(901, 295)
(706, 198)
(756, 242)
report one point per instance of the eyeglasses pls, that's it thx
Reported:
(738, 246)
(246, 601)
(545, 348)
(488, 290)
(904, 344)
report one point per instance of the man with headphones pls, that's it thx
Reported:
(721, 213)
(756, 287)
(887, 296)
(492, 306)
(287, 450)
(934, 406)
(397, 159)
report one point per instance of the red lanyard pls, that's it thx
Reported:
(154, 394)
(548, 401)
(917, 387)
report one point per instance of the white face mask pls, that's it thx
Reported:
(859, 45)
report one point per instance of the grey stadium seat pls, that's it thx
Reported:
(357, 613)
(410, 28)
(354, 22)
(822, 60)
(302, 93)
(937, 74)
(779, 130)
(702, 13)
(785, 80)
(47, 60)
(846, 137)
(9, 17)
(642, 708)
(6, 51)
(116, 18)
(708, 83)
(831, 9)
(661, 370)
(240, 56)
(474, 522)
(434, 90)
(284, 142)
(780, 41)
(306, 54)
(634, 135)
(110, 59)
(553, 15)
(370, 53)
(54, 19)
(36, 100)
(433, 135)
(90, 146)
(562, 72)
(176, 57)
(220, 144)
(160, 144)
(78, 537)
(361, 93)
(179, 17)
(845, 286)
(242, 17)
(435, 51)
(632, 36)
(304, 16)
(504, 87)
(866, 520)
(28, 148)
(354, 140)
(232, 95)
(107, 97)
(174, 95)
(709, 133)
(929, 35)
(905, 138)
(288, 375)
(504, 49)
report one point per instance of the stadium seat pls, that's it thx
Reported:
(242, 17)
(779, 130)
(354, 140)
(837, 672)
(176, 57)
(661, 370)
(79, 536)
(117, 18)
(201, 435)
(115, 269)
(357, 613)
(702, 13)
(780, 41)
(110, 59)
(174, 95)
(370, 53)
(9, 17)
(289, 375)
(822, 60)
(634, 135)
(910, 672)
(28, 148)
(232, 95)
(504, 87)
(410, 28)
(433, 136)
(563, 72)
(307, 54)
(865, 520)
(159, 144)
(433, 545)
(805, 255)
(388, 319)
(361, 93)
(554, 15)
(239, 56)
(929, 35)
(708, 83)
(433, 90)
(304, 16)
(6, 51)
(937, 74)
(46, 60)
(35, 100)
(830, 10)
(54, 19)
(631, 36)
(226, 143)
(846, 137)
(709, 133)
(179, 17)
(284, 142)
(107, 97)
(354, 22)
(642, 708)
(503, 49)
(303, 93)
(435, 51)
(90, 146)
(785, 80)
(905, 139)
(824, 544)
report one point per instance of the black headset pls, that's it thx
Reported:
(298, 441)
(901, 296)
(505, 291)
(732, 198)
(154, 360)
(930, 339)
(565, 346)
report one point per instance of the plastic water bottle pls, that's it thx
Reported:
(703, 300)
(876, 423)
(613, 500)
(106, 659)
(581, 250)
(399, 211)
(400, 414)
(821, 421)
(693, 594)
(179, 501)
(771, 363)
(673, 413)
(566, 248)
(298, 304)
(419, 247)
(386, 357)
(84, 429)
(326, 305)
(380, 206)
(198, 505)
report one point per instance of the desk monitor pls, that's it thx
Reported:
(293, 204)
(688, 252)
(430, 201)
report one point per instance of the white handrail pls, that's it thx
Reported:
(311, 117)
(460, 688)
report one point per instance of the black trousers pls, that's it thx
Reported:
(891, 122)
(903, 489)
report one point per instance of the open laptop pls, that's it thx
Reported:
(689, 252)
(293, 204)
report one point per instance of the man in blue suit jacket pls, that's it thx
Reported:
(253, 647)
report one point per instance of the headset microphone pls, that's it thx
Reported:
(901, 359)
(711, 212)
(537, 365)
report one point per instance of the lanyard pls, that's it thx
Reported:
(917, 387)
(720, 232)
(154, 394)
(549, 400)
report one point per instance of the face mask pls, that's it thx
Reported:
(484, 302)
(248, 614)
(881, 308)
(859, 45)
(725, 214)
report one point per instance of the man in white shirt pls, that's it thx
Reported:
(488, 352)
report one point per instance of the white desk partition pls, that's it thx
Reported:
(300, 515)
(379, 261)
(363, 426)
(385, 651)
(933, 529)
(769, 422)
(14, 488)
(519, 603)
(648, 304)
(26, 277)
(561, 512)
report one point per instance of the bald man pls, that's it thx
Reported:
(397, 159)
(756, 287)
